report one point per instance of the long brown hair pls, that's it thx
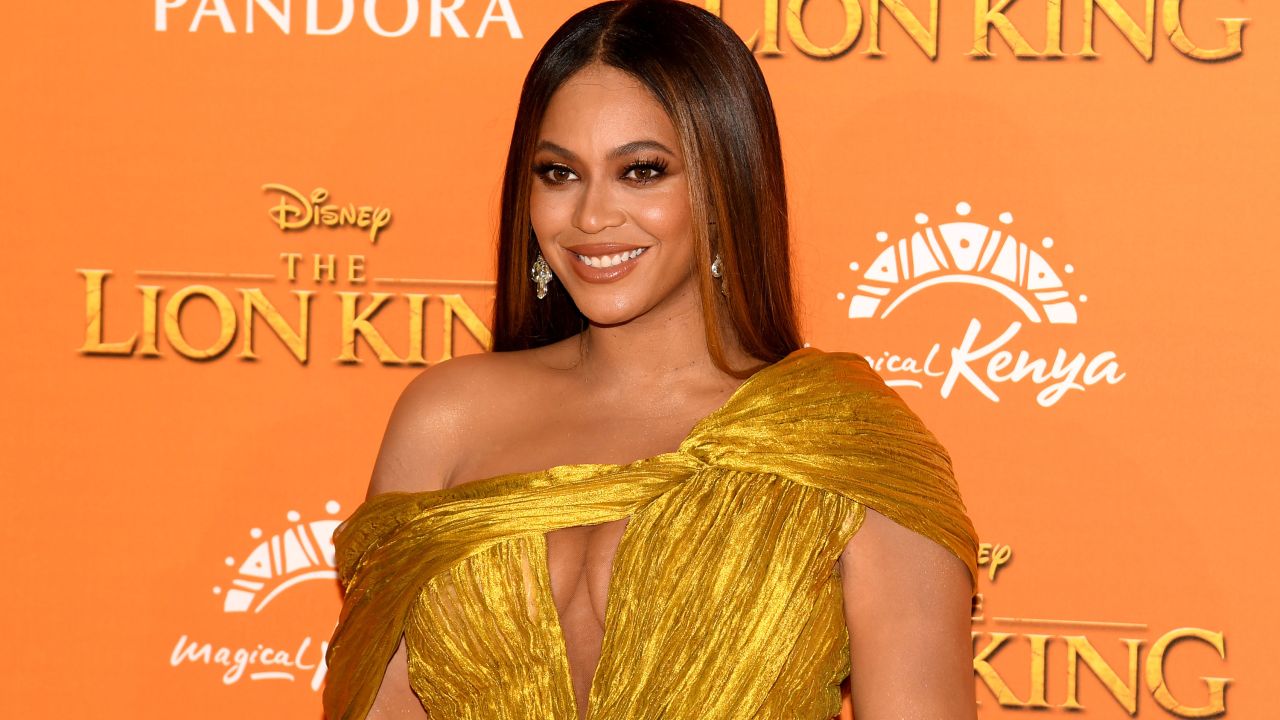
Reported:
(712, 89)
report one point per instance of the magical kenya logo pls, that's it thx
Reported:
(989, 255)
(301, 552)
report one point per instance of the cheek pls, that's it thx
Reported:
(547, 214)
(666, 218)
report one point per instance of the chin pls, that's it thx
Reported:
(610, 313)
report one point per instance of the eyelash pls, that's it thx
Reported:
(658, 164)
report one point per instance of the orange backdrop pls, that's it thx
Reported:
(1061, 263)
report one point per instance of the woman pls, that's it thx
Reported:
(787, 514)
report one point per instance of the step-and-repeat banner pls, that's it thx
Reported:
(235, 230)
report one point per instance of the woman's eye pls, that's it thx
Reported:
(547, 173)
(645, 173)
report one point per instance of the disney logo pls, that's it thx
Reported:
(297, 211)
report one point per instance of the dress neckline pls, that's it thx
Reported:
(556, 472)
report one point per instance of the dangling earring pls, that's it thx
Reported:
(541, 274)
(717, 265)
(717, 270)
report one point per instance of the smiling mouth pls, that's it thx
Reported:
(606, 261)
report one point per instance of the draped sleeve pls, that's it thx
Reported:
(835, 424)
(353, 678)
(376, 520)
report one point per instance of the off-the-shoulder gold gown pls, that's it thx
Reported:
(723, 600)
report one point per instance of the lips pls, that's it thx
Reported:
(604, 274)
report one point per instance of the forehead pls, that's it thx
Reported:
(601, 107)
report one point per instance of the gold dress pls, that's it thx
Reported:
(723, 600)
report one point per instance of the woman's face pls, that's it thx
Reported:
(609, 182)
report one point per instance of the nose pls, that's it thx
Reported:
(598, 208)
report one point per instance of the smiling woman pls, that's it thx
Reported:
(647, 126)
(652, 500)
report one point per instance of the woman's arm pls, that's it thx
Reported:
(395, 699)
(907, 607)
(418, 451)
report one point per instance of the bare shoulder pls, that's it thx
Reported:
(430, 423)
(907, 609)
(922, 569)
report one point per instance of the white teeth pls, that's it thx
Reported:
(604, 261)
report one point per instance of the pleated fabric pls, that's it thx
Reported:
(724, 601)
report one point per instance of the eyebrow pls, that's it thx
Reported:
(627, 149)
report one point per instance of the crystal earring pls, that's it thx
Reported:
(717, 270)
(540, 273)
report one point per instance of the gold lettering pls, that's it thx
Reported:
(986, 17)
(417, 344)
(173, 322)
(455, 306)
(295, 340)
(307, 211)
(988, 14)
(798, 35)
(927, 40)
(354, 325)
(1141, 39)
(1180, 41)
(770, 29)
(990, 677)
(1160, 690)
(93, 344)
(381, 219)
(150, 298)
(292, 217)
(357, 321)
(994, 557)
(355, 269)
(324, 267)
(1038, 679)
(291, 261)
(1078, 646)
(1053, 29)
